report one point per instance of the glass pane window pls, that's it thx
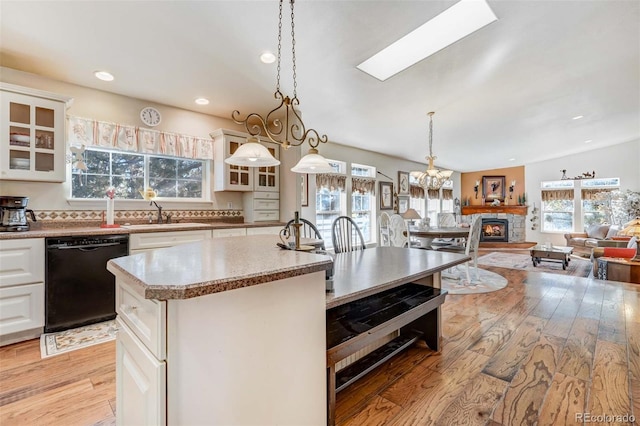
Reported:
(557, 216)
(172, 178)
(594, 212)
(328, 208)
(419, 205)
(361, 213)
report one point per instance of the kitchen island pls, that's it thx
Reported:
(232, 331)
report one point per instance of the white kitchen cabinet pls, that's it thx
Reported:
(227, 177)
(229, 232)
(140, 382)
(261, 206)
(139, 242)
(21, 289)
(32, 134)
(265, 230)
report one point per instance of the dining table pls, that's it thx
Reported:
(425, 236)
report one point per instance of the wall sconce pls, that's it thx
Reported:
(475, 188)
(511, 188)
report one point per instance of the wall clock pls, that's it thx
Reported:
(150, 116)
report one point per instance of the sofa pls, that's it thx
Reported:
(584, 242)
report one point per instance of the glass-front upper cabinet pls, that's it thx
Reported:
(267, 178)
(32, 132)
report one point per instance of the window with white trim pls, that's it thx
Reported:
(418, 204)
(557, 206)
(363, 203)
(596, 200)
(330, 203)
(171, 177)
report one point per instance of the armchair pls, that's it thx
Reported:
(627, 249)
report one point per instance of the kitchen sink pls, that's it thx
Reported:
(164, 225)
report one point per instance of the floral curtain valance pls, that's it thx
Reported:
(447, 194)
(88, 132)
(557, 194)
(433, 194)
(592, 194)
(331, 181)
(363, 185)
(416, 191)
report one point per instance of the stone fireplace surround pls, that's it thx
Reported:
(517, 223)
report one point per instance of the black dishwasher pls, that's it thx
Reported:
(78, 288)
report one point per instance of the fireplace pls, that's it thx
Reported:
(495, 230)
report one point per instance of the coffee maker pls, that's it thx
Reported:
(13, 212)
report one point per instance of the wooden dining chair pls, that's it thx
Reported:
(307, 230)
(346, 235)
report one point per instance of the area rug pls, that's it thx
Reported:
(455, 282)
(577, 267)
(52, 344)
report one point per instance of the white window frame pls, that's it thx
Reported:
(324, 225)
(206, 173)
(371, 236)
(604, 183)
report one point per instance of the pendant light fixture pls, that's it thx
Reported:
(432, 178)
(282, 125)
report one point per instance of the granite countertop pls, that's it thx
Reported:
(131, 229)
(213, 266)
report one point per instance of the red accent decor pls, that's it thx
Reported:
(625, 253)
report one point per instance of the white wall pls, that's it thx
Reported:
(621, 161)
(105, 106)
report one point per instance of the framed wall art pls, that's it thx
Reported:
(403, 203)
(493, 188)
(403, 183)
(386, 195)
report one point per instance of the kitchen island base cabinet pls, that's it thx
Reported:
(249, 356)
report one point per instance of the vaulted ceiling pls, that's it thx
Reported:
(503, 96)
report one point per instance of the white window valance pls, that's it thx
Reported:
(122, 137)
(557, 194)
(447, 194)
(594, 194)
(363, 185)
(331, 181)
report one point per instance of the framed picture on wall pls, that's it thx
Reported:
(386, 195)
(304, 190)
(493, 188)
(403, 183)
(403, 204)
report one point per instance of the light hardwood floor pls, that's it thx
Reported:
(538, 352)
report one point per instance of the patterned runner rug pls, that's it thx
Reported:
(52, 344)
(577, 267)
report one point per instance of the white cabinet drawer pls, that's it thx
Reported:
(266, 230)
(21, 308)
(266, 215)
(231, 232)
(141, 382)
(145, 317)
(266, 195)
(153, 240)
(266, 204)
(21, 261)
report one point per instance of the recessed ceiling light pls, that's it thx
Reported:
(455, 23)
(512, 159)
(104, 75)
(588, 141)
(578, 117)
(268, 58)
(202, 101)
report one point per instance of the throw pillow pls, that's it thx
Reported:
(597, 231)
(613, 230)
(633, 243)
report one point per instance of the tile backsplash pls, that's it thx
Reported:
(90, 217)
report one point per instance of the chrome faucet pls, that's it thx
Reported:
(153, 203)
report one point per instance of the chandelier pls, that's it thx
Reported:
(282, 125)
(432, 178)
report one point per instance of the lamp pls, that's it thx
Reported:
(511, 188)
(432, 178)
(632, 229)
(411, 215)
(475, 188)
(283, 125)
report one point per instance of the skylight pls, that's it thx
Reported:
(455, 23)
